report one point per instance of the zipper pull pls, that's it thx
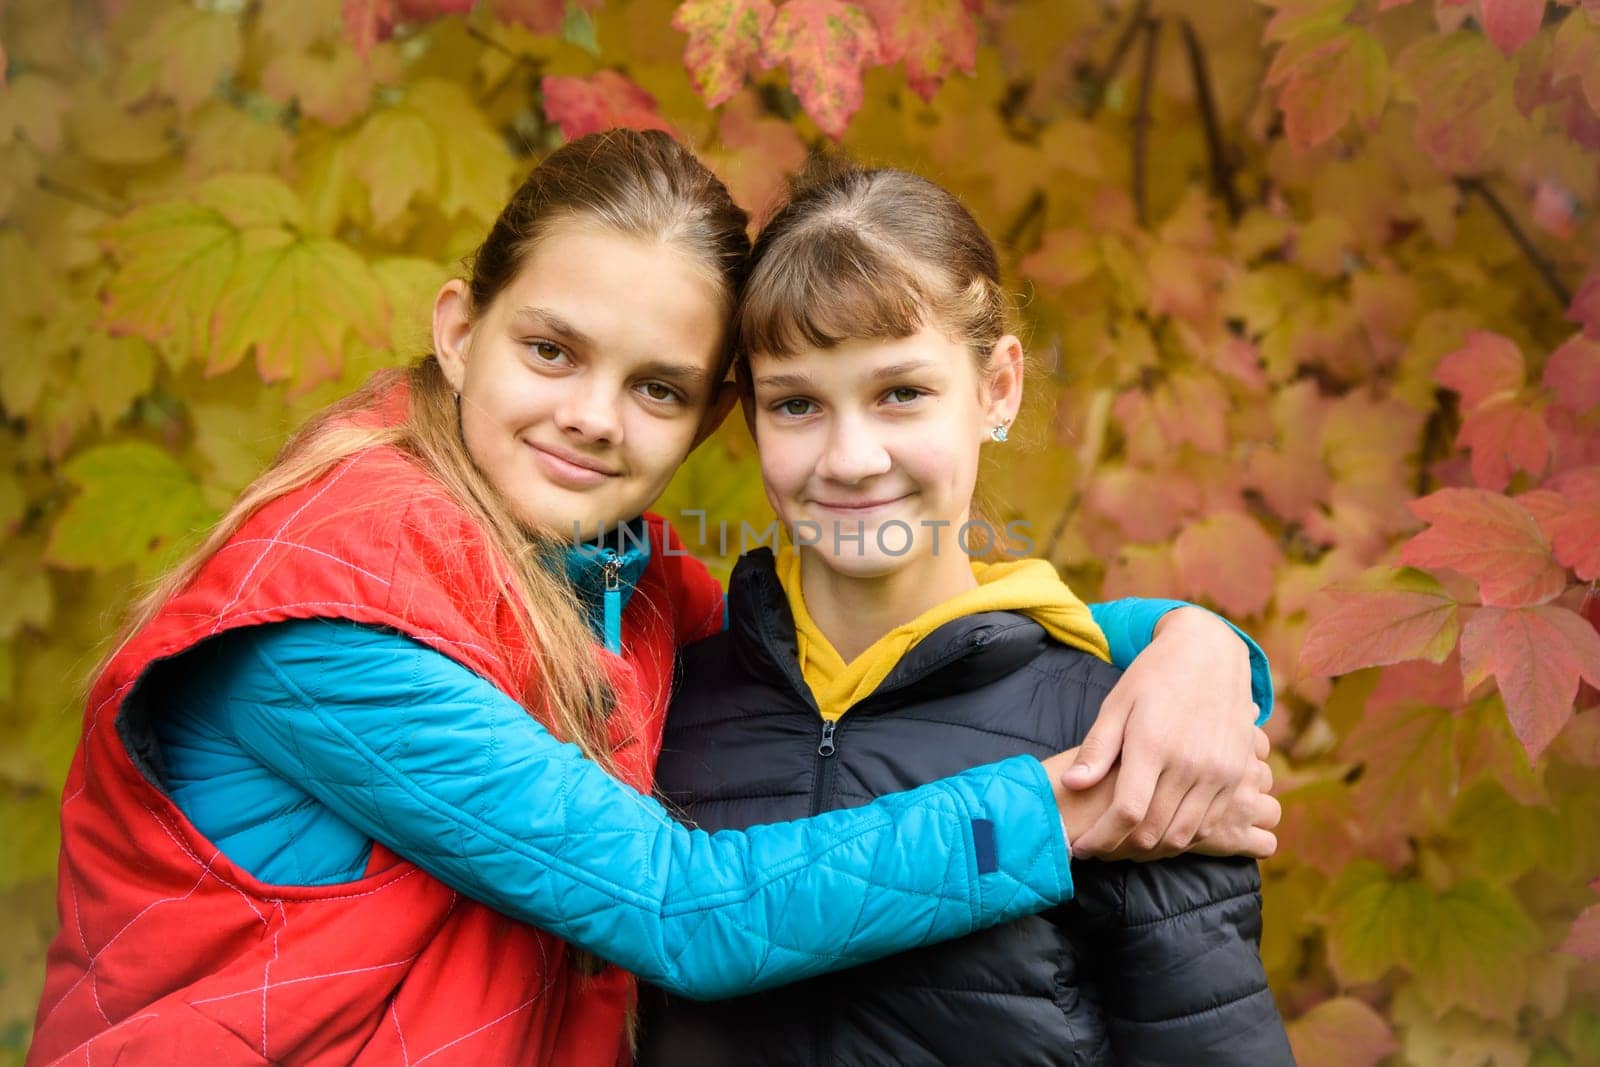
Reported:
(613, 603)
(826, 748)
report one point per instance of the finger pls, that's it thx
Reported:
(1258, 844)
(1100, 749)
(1263, 743)
(1263, 771)
(1136, 784)
(1185, 825)
(1170, 794)
(1268, 813)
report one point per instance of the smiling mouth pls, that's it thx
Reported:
(571, 469)
(860, 507)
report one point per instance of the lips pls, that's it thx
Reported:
(570, 468)
(858, 507)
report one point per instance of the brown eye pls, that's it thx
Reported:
(657, 391)
(904, 395)
(795, 407)
(547, 352)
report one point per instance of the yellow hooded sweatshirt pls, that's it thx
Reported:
(1029, 587)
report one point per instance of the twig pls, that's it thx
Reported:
(78, 196)
(1541, 263)
(1221, 170)
(1141, 117)
(1119, 52)
(1031, 213)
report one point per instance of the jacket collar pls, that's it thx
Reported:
(604, 572)
(959, 656)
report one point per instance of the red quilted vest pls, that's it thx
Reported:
(169, 953)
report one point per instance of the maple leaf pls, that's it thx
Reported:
(1585, 306)
(1407, 752)
(1378, 923)
(186, 51)
(1346, 78)
(1511, 24)
(1489, 538)
(366, 22)
(932, 37)
(1572, 373)
(396, 156)
(1064, 258)
(602, 101)
(1537, 656)
(294, 301)
(331, 89)
(1229, 560)
(1464, 92)
(1568, 511)
(758, 153)
(1342, 1032)
(1504, 435)
(1390, 617)
(541, 16)
(136, 503)
(1487, 366)
(114, 371)
(724, 43)
(1575, 56)
(823, 44)
(1475, 952)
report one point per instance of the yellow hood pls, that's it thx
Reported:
(1029, 587)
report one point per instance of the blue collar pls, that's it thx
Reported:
(604, 572)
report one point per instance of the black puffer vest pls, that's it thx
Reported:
(1150, 963)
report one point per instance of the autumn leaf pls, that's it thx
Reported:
(823, 44)
(1377, 923)
(114, 371)
(1491, 539)
(332, 89)
(1583, 940)
(1505, 435)
(294, 301)
(1391, 617)
(1064, 258)
(1487, 367)
(1572, 373)
(541, 16)
(1511, 24)
(934, 38)
(186, 51)
(1408, 765)
(1342, 1032)
(604, 100)
(1475, 954)
(1537, 656)
(1569, 513)
(1463, 90)
(1347, 78)
(1229, 560)
(724, 43)
(396, 156)
(136, 503)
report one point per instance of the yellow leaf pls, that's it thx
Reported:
(29, 600)
(292, 25)
(251, 200)
(475, 170)
(333, 89)
(294, 301)
(186, 52)
(409, 286)
(395, 156)
(223, 137)
(136, 505)
(32, 107)
(113, 372)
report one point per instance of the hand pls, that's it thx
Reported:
(1181, 723)
(1079, 809)
(1242, 824)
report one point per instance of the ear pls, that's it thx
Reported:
(721, 403)
(452, 330)
(1003, 383)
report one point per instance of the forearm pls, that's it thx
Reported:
(1132, 623)
(525, 824)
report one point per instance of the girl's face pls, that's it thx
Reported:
(869, 450)
(586, 382)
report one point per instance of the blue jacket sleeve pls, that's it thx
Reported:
(1130, 623)
(445, 769)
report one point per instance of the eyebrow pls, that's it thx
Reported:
(556, 325)
(686, 374)
(802, 381)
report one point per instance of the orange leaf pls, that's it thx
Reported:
(1491, 539)
(1569, 513)
(823, 44)
(1229, 560)
(1536, 655)
(1390, 618)
(602, 101)
(1583, 940)
(934, 37)
(724, 42)
(1572, 373)
(1488, 365)
(1342, 1032)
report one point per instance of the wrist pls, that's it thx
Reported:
(1194, 620)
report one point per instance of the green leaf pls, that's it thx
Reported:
(136, 504)
(185, 52)
(1378, 923)
(577, 27)
(247, 201)
(28, 599)
(395, 157)
(113, 372)
(1501, 838)
(1477, 957)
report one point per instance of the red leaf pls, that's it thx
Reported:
(1585, 307)
(1573, 526)
(1491, 539)
(934, 37)
(1573, 373)
(540, 16)
(823, 44)
(1511, 24)
(1391, 617)
(366, 22)
(602, 101)
(1229, 560)
(1583, 940)
(1536, 655)
(1347, 77)
(1489, 364)
(724, 42)
(1504, 435)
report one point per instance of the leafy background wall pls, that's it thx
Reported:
(1313, 287)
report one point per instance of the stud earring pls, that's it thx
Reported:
(1000, 431)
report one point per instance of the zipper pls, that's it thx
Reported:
(613, 601)
(826, 747)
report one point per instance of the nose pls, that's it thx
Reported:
(854, 452)
(590, 410)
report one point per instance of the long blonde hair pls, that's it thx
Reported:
(644, 185)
